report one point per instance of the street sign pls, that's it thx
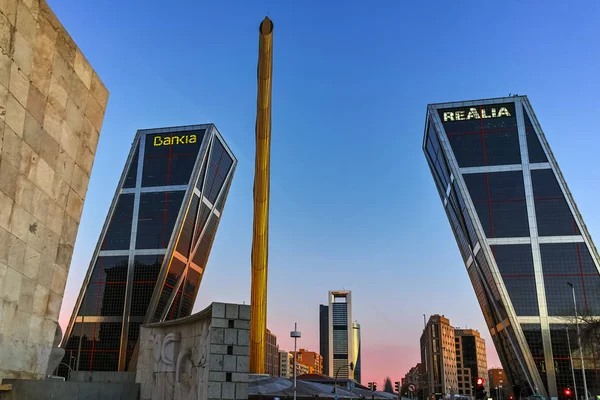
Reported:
(411, 388)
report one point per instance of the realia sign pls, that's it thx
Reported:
(476, 113)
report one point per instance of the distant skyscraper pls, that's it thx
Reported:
(155, 243)
(471, 360)
(356, 353)
(271, 354)
(439, 358)
(324, 337)
(341, 343)
(520, 234)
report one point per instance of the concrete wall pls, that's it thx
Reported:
(55, 389)
(202, 357)
(52, 106)
(102, 376)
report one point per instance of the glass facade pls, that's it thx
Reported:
(521, 237)
(341, 334)
(154, 247)
(324, 337)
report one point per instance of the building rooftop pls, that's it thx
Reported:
(509, 98)
(309, 386)
(466, 332)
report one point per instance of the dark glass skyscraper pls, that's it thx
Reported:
(155, 243)
(520, 234)
(324, 336)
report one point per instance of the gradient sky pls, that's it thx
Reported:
(353, 204)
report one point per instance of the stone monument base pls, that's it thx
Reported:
(28, 389)
(201, 357)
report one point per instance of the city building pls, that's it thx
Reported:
(311, 359)
(496, 377)
(356, 350)
(286, 365)
(471, 360)
(500, 388)
(525, 245)
(52, 110)
(154, 246)
(341, 336)
(438, 355)
(415, 376)
(324, 337)
(271, 354)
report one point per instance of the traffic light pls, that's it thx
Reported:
(371, 386)
(567, 392)
(480, 392)
(397, 387)
(374, 386)
(511, 398)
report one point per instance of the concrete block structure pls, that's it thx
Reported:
(52, 106)
(203, 356)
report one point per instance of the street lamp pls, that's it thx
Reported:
(296, 335)
(571, 359)
(499, 394)
(579, 341)
(351, 365)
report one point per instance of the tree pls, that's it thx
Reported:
(387, 385)
(589, 326)
(590, 336)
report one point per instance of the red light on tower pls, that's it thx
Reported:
(480, 381)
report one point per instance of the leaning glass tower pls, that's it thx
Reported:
(154, 246)
(521, 236)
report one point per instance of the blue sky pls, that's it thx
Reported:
(353, 204)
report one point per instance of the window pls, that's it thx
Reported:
(157, 215)
(118, 234)
(105, 294)
(488, 141)
(534, 148)
(218, 167)
(145, 274)
(565, 263)
(554, 217)
(499, 199)
(130, 179)
(170, 164)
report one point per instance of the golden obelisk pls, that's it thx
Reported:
(260, 236)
